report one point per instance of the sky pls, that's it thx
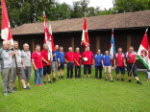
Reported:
(95, 3)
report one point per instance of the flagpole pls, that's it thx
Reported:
(135, 58)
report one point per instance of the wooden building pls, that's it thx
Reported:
(129, 30)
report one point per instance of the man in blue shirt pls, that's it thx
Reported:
(107, 65)
(55, 62)
(61, 62)
(98, 60)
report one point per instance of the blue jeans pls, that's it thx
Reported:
(38, 74)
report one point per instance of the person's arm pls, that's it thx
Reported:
(124, 61)
(43, 59)
(34, 64)
(114, 63)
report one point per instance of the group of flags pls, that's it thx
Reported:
(143, 53)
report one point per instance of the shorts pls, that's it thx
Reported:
(47, 70)
(132, 68)
(54, 66)
(61, 67)
(107, 69)
(27, 73)
(87, 69)
(20, 72)
(120, 69)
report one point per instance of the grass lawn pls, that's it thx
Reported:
(80, 95)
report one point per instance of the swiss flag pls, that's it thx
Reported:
(85, 36)
(48, 38)
(6, 33)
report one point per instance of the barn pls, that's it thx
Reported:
(128, 28)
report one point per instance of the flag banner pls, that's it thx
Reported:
(112, 44)
(85, 36)
(6, 33)
(144, 51)
(48, 38)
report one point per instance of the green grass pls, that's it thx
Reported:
(80, 95)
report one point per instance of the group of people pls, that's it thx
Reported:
(19, 62)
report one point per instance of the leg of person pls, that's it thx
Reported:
(96, 72)
(71, 70)
(10, 77)
(40, 75)
(110, 75)
(76, 69)
(106, 72)
(89, 71)
(85, 71)
(67, 70)
(4, 75)
(14, 79)
(79, 71)
(44, 74)
(135, 74)
(100, 72)
(48, 74)
(54, 65)
(28, 76)
(123, 73)
(117, 73)
(129, 66)
(62, 71)
(22, 77)
(36, 72)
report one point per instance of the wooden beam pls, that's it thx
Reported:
(128, 41)
(72, 43)
(97, 43)
(33, 44)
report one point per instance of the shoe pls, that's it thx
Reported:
(44, 82)
(12, 91)
(122, 79)
(62, 77)
(129, 80)
(40, 84)
(111, 81)
(37, 85)
(117, 79)
(6, 94)
(15, 89)
(106, 79)
(138, 82)
(54, 80)
(50, 82)
(26, 88)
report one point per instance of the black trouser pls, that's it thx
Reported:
(69, 69)
(77, 71)
(98, 69)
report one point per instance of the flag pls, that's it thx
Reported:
(143, 53)
(6, 33)
(112, 44)
(85, 37)
(48, 38)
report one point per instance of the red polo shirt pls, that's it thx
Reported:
(44, 54)
(37, 58)
(119, 59)
(89, 55)
(77, 57)
(131, 57)
(69, 56)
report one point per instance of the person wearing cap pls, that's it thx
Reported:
(77, 63)
(69, 59)
(46, 63)
(87, 57)
(26, 60)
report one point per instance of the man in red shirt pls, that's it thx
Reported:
(119, 64)
(69, 59)
(131, 66)
(38, 65)
(77, 63)
(87, 57)
(46, 63)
